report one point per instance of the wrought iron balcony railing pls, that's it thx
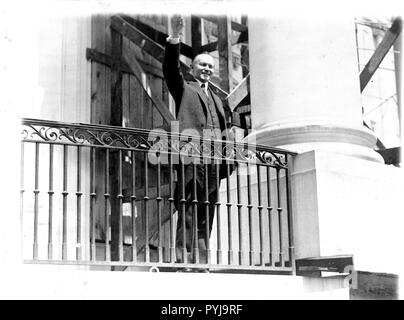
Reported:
(101, 195)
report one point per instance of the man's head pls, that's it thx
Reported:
(202, 67)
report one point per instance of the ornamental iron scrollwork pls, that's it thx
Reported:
(85, 136)
(93, 135)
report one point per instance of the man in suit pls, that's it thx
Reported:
(199, 111)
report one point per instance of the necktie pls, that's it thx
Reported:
(204, 87)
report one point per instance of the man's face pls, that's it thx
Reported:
(202, 67)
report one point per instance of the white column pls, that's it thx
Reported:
(305, 86)
(305, 97)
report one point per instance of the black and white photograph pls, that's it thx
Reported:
(201, 150)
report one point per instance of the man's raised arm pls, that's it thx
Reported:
(171, 65)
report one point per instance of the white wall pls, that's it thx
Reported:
(357, 210)
(60, 88)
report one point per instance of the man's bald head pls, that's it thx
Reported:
(203, 67)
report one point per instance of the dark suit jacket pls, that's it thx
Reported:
(190, 100)
(191, 105)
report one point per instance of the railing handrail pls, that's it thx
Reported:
(146, 132)
(74, 136)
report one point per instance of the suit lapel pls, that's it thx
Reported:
(200, 92)
(218, 104)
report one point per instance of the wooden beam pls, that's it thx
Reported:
(245, 54)
(196, 35)
(140, 39)
(95, 55)
(137, 37)
(238, 27)
(242, 37)
(234, 25)
(153, 34)
(116, 79)
(138, 71)
(397, 67)
(106, 60)
(381, 51)
(244, 109)
(238, 93)
(134, 68)
(115, 178)
(379, 144)
(225, 52)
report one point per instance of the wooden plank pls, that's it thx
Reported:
(125, 92)
(138, 72)
(116, 120)
(379, 144)
(125, 100)
(196, 35)
(246, 109)
(100, 114)
(238, 93)
(234, 25)
(243, 37)
(147, 105)
(397, 66)
(245, 54)
(225, 52)
(156, 91)
(106, 60)
(116, 79)
(96, 56)
(148, 68)
(137, 37)
(381, 51)
(157, 36)
(135, 106)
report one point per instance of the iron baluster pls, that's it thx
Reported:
(217, 204)
(229, 217)
(133, 208)
(261, 224)
(107, 199)
(279, 209)
(65, 193)
(207, 204)
(79, 195)
(158, 200)
(182, 201)
(22, 190)
(292, 261)
(239, 211)
(171, 204)
(36, 195)
(250, 215)
(120, 204)
(50, 192)
(195, 216)
(269, 208)
(92, 203)
(146, 207)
